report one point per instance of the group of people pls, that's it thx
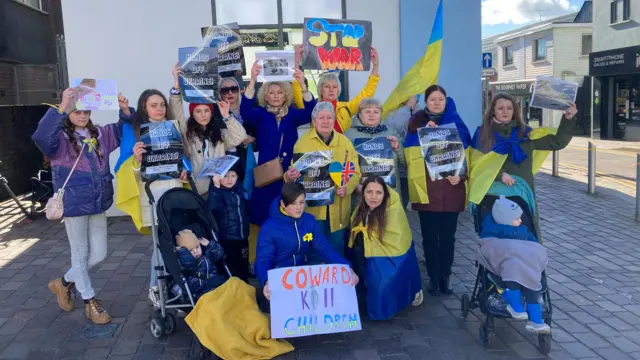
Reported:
(269, 226)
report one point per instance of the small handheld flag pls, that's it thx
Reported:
(335, 172)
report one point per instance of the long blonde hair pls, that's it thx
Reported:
(486, 137)
(286, 89)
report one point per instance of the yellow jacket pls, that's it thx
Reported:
(339, 145)
(345, 110)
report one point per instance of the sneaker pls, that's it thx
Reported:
(418, 300)
(96, 313)
(63, 293)
(154, 296)
(538, 328)
(517, 314)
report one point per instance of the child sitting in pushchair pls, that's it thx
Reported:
(509, 250)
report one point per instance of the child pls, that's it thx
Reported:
(228, 204)
(199, 258)
(519, 264)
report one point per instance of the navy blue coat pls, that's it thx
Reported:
(492, 229)
(202, 274)
(229, 208)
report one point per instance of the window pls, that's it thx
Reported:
(294, 11)
(614, 11)
(33, 3)
(620, 11)
(540, 50)
(587, 43)
(626, 11)
(508, 55)
(262, 12)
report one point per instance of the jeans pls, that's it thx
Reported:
(88, 242)
(438, 241)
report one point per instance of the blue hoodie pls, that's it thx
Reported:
(284, 241)
(492, 229)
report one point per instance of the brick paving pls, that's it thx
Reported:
(594, 275)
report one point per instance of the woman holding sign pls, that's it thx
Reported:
(438, 201)
(333, 218)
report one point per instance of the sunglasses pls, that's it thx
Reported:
(229, 90)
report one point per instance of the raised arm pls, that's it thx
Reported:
(49, 131)
(235, 133)
(248, 109)
(175, 100)
(563, 137)
(112, 133)
(369, 89)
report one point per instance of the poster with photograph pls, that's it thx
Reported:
(165, 150)
(277, 65)
(376, 159)
(199, 81)
(336, 44)
(554, 94)
(314, 167)
(217, 166)
(443, 151)
(227, 39)
(96, 94)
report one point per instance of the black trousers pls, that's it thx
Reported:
(438, 241)
(237, 257)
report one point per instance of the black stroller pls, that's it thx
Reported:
(177, 209)
(486, 293)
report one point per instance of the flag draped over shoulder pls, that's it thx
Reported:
(424, 73)
(127, 191)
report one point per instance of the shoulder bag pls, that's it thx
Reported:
(55, 205)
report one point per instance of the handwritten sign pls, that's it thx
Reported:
(199, 82)
(228, 40)
(96, 94)
(312, 300)
(165, 150)
(443, 151)
(314, 167)
(336, 44)
(376, 159)
(218, 166)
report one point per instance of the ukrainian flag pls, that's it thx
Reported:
(127, 191)
(424, 73)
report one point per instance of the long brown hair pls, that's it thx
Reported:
(373, 219)
(142, 116)
(486, 132)
(70, 130)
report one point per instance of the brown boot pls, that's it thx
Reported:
(62, 293)
(96, 313)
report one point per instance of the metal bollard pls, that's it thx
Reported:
(638, 188)
(555, 163)
(592, 169)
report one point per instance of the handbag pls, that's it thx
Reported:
(55, 206)
(269, 172)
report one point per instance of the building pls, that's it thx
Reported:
(615, 66)
(558, 47)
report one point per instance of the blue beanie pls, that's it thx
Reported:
(504, 211)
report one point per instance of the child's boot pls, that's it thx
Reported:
(535, 323)
(514, 304)
(96, 313)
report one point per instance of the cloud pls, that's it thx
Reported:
(522, 11)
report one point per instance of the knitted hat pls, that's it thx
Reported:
(505, 211)
(187, 239)
(192, 106)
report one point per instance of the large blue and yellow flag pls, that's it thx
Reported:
(424, 73)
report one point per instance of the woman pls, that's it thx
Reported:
(329, 89)
(366, 125)
(79, 154)
(209, 132)
(322, 136)
(438, 202)
(517, 151)
(384, 256)
(276, 124)
(281, 243)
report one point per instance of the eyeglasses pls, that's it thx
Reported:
(229, 90)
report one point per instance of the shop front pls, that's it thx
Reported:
(521, 92)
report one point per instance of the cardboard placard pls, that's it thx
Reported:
(376, 159)
(443, 151)
(165, 150)
(336, 44)
(96, 94)
(314, 167)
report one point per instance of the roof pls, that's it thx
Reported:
(585, 15)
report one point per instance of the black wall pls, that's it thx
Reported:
(26, 34)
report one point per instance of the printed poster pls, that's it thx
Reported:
(312, 300)
(376, 159)
(277, 65)
(227, 39)
(199, 82)
(336, 44)
(165, 150)
(315, 178)
(443, 151)
(96, 94)
(552, 93)
(218, 166)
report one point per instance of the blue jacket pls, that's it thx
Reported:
(202, 274)
(284, 241)
(491, 229)
(229, 208)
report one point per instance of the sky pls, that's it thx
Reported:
(499, 16)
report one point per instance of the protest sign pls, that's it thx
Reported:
(552, 93)
(443, 151)
(336, 44)
(314, 167)
(277, 65)
(376, 159)
(165, 149)
(96, 94)
(227, 39)
(217, 166)
(199, 81)
(312, 300)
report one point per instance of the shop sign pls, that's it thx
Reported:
(514, 88)
(615, 62)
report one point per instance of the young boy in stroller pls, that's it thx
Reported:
(198, 258)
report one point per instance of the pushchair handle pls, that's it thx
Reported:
(151, 179)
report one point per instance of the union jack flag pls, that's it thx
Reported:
(348, 170)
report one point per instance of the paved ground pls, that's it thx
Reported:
(594, 275)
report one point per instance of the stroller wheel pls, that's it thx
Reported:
(483, 334)
(544, 343)
(156, 325)
(170, 324)
(465, 304)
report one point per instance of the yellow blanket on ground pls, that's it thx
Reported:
(228, 322)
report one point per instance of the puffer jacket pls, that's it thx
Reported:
(90, 188)
(202, 274)
(229, 208)
(491, 229)
(284, 241)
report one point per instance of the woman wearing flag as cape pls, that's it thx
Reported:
(505, 150)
